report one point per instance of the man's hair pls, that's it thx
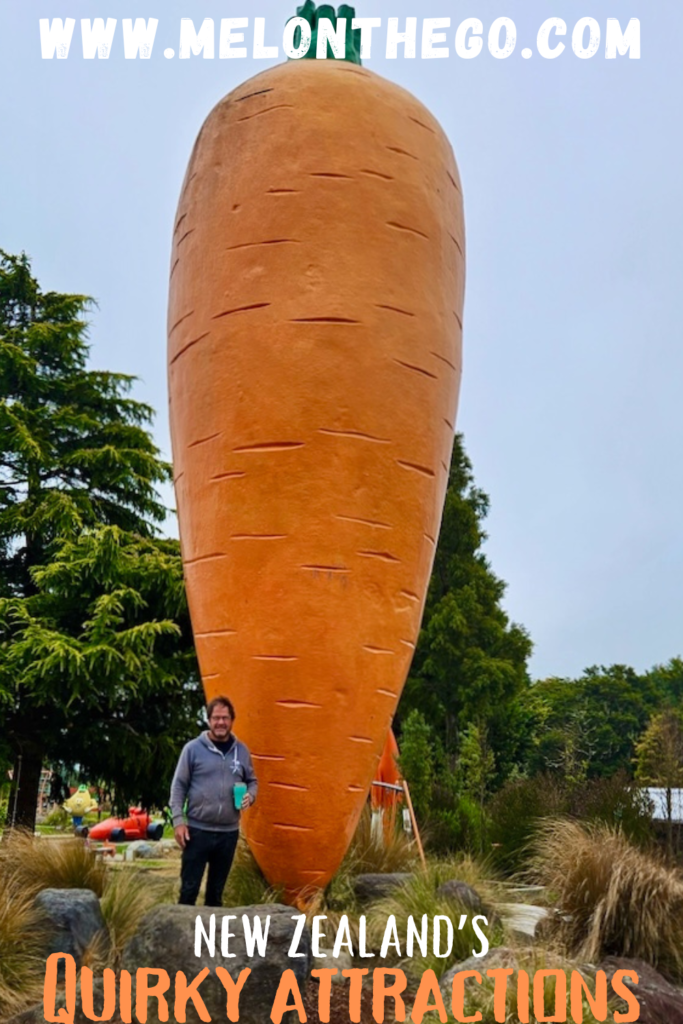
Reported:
(220, 702)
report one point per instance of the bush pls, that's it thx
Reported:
(462, 826)
(416, 761)
(614, 899)
(58, 818)
(616, 801)
(516, 812)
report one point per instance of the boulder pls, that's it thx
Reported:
(36, 1014)
(461, 892)
(374, 886)
(660, 1001)
(32, 1016)
(166, 939)
(500, 956)
(343, 962)
(73, 921)
(139, 848)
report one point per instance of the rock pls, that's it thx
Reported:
(36, 1014)
(74, 921)
(32, 1016)
(660, 1001)
(461, 893)
(500, 956)
(523, 918)
(374, 886)
(165, 941)
(139, 848)
(343, 962)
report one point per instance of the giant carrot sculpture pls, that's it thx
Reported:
(314, 348)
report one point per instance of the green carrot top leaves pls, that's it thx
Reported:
(314, 15)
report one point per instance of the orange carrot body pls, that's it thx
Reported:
(314, 362)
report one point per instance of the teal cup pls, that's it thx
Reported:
(239, 793)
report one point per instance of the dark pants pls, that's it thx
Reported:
(216, 849)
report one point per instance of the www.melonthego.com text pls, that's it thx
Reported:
(427, 38)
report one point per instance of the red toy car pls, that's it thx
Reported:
(138, 825)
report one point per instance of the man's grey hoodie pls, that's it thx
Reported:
(205, 778)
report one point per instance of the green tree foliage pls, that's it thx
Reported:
(588, 727)
(102, 656)
(416, 761)
(476, 764)
(666, 681)
(659, 758)
(89, 597)
(470, 661)
(75, 450)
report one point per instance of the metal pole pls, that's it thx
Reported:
(414, 821)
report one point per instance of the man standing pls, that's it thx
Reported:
(212, 772)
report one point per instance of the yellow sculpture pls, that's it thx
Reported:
(79, 804)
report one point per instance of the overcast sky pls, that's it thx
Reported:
(573, 366)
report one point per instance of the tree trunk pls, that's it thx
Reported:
(23, 797)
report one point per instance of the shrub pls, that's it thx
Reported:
(616, 801)
(416, 760)
(462, 826)
(614, 898)
(58, 818)
(516, 812)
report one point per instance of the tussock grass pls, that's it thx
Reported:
(480, 998)
(614, 898)
(419, 897)
(128, 896)
(368, 854)
(246, 884)
(21, 944)
(35, 864)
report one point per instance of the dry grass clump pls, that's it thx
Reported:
(420, 896)
(35, 864)
(28, 865)
(614, 899)
(368, 853)
(21, 943)
(246, 884)
(128, 896)
(480, 998)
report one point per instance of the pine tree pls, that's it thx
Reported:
(75, 454)
(470, 661)
(101, 656)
